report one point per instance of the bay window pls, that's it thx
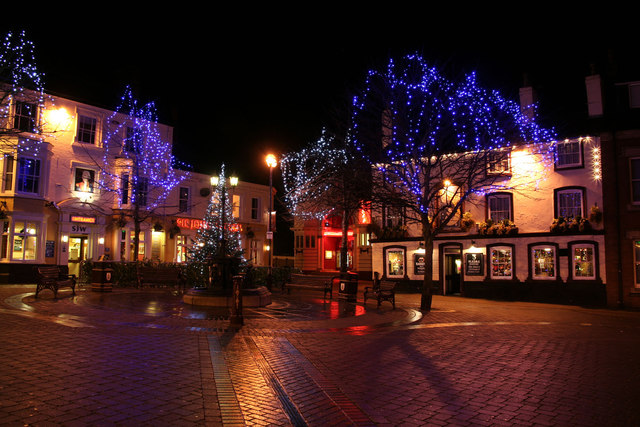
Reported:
(28, 175)
(25, 240)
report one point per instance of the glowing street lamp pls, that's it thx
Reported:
(272, 162)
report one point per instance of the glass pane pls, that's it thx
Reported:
(544, 262)
(501, 262)
(395, 260)
(583, 262)
(30, 247)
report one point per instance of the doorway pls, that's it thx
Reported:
(452, 271)
(78, 251)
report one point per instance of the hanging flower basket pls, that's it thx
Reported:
(157, 226)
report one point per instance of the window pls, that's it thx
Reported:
(25, 240)
(183, 202)
(86, 130)
(395, 262)
(141, 242)
(569, 202)
(501, 259)
(4, 249)
(299, 242)
(84, 180)
(583, 258)
(181, 248)
(569, 154)
(635, 180)
(142, 191)
(636, 256)
(236, 206)
(393, 216)
(310, 241)
(499, 163)
(364, 239)
(124, 189)
(28, 175)
(25, 116)
(133, 140)
(634, 95)
(543, 262)
(8, 172)
(499, 207)
(255, 208)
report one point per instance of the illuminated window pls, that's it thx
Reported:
(501, 258)
(25, 241)
(543, 262)
(499, 162)
(568, 154)
(141, 243)
(364, 239)
(25, 116)
(4, 249)
(236, 206)
(181, 248)
(569, 202)
(635, 180)
(499, 205)
(395, 262)
(28, 175)
(84, 180)
(86, 130)
(583, 261)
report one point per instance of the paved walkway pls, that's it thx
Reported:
(137, 358)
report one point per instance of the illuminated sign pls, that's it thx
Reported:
(84, 219)
(336, 233)
(195, 224)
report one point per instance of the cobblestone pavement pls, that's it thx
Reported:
(137, 358)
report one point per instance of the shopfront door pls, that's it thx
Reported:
(78, 248)
(452, 270)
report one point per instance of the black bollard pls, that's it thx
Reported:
(236, 318)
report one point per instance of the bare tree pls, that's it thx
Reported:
(435, 144)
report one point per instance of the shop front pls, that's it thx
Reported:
(82, 238)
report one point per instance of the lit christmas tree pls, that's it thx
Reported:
(218, 242)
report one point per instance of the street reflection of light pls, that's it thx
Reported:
(153, 307)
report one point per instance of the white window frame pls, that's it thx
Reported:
(491, 263)
(255, 210)
(533, 259)
(499, 162)
(22, 117)
(402, 253)
(20, 177)
(572, 254)
(9, 172)
(181, 200)
(77, 178)
(92, 133)
(490, 211)
(571, 143)
(36, 236)
(559, 208)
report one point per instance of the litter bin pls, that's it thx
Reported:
(101, 276)
(348, 289)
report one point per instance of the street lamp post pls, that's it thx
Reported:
(272, 162)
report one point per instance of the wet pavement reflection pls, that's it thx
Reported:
(165, 303)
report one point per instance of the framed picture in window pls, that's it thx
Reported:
(84, 180)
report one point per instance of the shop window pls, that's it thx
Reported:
(569, 202)
(183, 203)
(502, 260)
(141, 245)
(253, 252)
(84, 180)
(569, 154)
(583, 259)
(9, 164)
(255, 208)
(636, 257)
(543, 262)
(86, 130)
(25, 116)
(395, 262)
(28, 175)
(181, 248)
(635, 180)
(25, 241)
(499, 206)
(499, 163)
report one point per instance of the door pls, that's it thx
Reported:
(452, 270)
(78, 248)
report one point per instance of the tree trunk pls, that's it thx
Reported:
(427, 283)
(136, 231)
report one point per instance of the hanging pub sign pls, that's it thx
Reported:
(418, 264)
(474, 265)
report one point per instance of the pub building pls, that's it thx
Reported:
(53, 209)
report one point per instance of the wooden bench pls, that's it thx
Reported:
(311, 282)
(54, 277)
(159, 276)
(383, 290)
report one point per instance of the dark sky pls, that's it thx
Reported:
(236, 87)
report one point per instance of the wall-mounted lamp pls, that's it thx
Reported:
(420, 249)
(65, 238)
(101, 240)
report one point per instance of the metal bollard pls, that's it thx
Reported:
(236, 318)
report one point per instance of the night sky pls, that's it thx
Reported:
(236, 87)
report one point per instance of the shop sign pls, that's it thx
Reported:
(418, 264)
(84, 219)
(474, 265)
(189, 223)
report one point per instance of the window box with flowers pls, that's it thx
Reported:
(501, 228)
(562, 225)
